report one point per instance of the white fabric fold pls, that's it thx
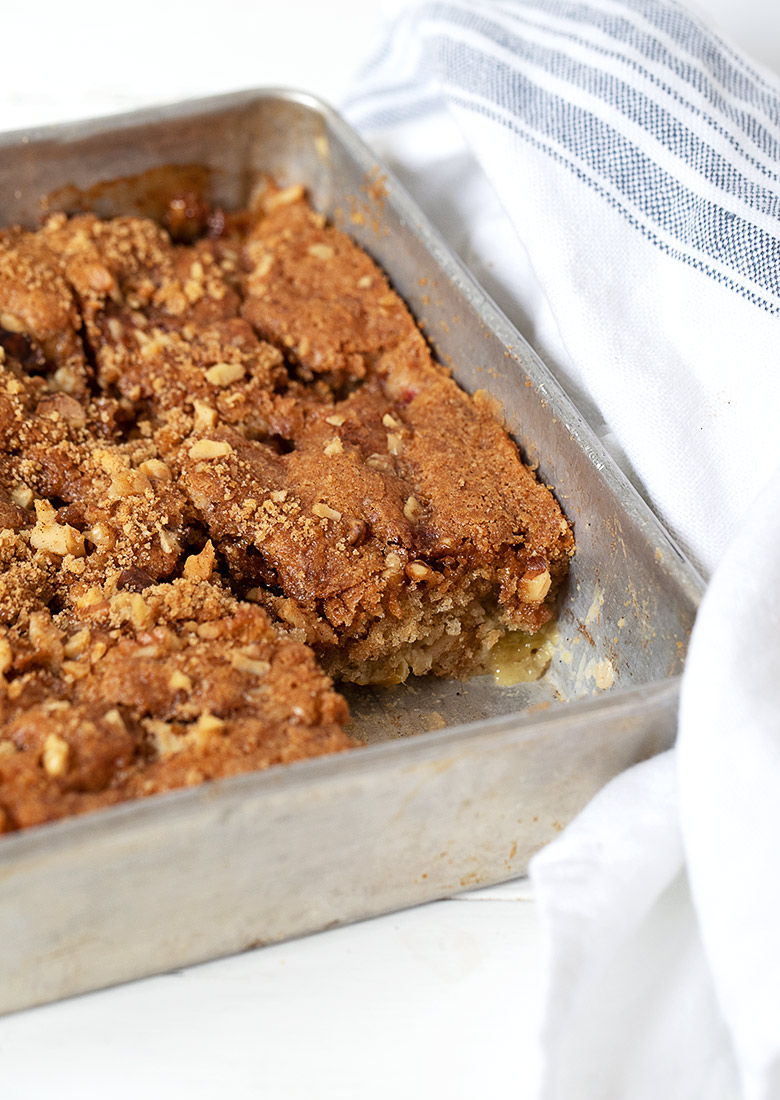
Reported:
(610, 171)
(630, 1007)
(661, 903)
(729, 764)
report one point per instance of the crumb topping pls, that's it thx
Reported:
(230, 470)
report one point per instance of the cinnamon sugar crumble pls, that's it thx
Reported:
(230, 471)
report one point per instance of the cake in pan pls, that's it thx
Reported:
(231, 473)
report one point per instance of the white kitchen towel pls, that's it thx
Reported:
(611, 172)
(661, 903)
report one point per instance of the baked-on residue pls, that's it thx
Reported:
(230, 471)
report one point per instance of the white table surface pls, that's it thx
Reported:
(442, 1000)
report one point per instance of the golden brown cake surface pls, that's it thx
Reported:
(230, 469)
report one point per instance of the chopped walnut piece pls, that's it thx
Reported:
(419, 571)
(283, 197)
(6, 656)
(53, 537)
(179, 681)
(535, 587)
(55, 755)
(395, 443)
(208, 724)
(200, 566)
(321, 251)
(210, 448)
(131, 607)
(22, 495)
(253, 665)
(223, 374)
(324, 511)
(11, 323)
(101, 535)
(155, 469)
(168, 540)
(205, 416)
(75, 670)
(392, 562)
(333, 447)
(78, 644)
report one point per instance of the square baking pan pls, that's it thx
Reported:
(459, 783)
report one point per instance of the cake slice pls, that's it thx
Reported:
(398, 529)
(149, 691)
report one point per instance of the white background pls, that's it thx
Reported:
(439, 1001)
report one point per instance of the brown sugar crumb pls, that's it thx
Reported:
(310, 290)
(229, 471)
(157, 684)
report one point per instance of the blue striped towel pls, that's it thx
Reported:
(610, 170)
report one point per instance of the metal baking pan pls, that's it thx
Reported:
(419, 812)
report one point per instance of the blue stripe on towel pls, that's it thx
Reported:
(495, 59)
